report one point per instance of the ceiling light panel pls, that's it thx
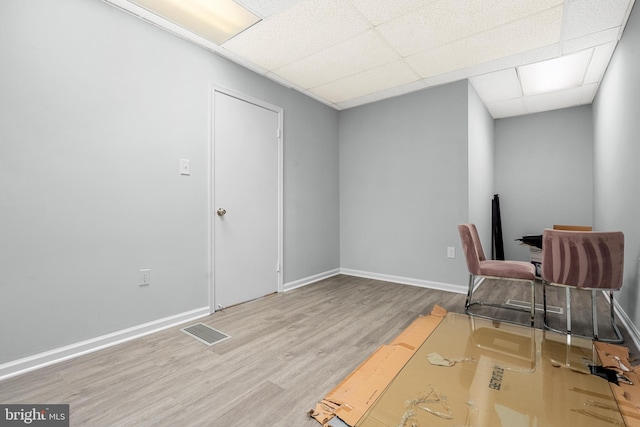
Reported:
(379, 11)
(591, 16)
(292, 34)
(363, 52)
(371, 81)
(555, 74)
(500, 85)
(215, 20)
(527, 34)
(446, 21)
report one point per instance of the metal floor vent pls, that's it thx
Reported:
(205, 334)
(539, 307)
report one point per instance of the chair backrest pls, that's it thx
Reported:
(472, 247)
(583, 259)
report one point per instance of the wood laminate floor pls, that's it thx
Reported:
(286, 352)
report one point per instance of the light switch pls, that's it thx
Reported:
(185, 167)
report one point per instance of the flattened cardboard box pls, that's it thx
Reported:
(499, 375)
(627, 395)
(350, 399)
(475, 372)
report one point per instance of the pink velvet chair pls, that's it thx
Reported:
(479, 266)
(583, 260)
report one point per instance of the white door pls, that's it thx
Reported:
(245, 200)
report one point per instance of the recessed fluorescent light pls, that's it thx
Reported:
(215, 20)
(561, 73)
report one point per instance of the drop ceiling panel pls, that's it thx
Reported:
(292, 34)
(526, 34)
(507, 108)
(446, 21)
(383, 94)
(371, 81)
(266, 8)
(588, 93)
(379, 11)
(497, 86)
(599, 62)
(591, 16)
(347, 53)
(553, 100)
(361, 53)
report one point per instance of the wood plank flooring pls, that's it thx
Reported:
(286, 352)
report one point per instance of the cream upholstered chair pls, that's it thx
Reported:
(479, 266)
(583, 260)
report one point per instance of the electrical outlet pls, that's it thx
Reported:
(145, 277)
(451, 252)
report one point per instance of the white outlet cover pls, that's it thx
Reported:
(451, 252)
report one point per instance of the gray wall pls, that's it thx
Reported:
(481, 160)
(543, 173)
(617, 152)
(96, 109)
(404, 184)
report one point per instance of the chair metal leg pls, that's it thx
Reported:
(594, 316)
(533, 302)
(568, 296)
(467, 305)
(469, 293)
(544, 303)
(619, 338)
(594, 313)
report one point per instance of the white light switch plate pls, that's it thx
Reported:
(185, 167)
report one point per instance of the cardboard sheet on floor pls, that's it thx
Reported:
(627, 395)
(507, 375)
(475, 372)
(350, 399)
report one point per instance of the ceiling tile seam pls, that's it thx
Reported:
(502, 99)
(399, 59)
(275, 70)
(469, 36)
(592, 34)
(409, 12)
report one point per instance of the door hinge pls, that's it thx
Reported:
(278, 133)
(278, 267)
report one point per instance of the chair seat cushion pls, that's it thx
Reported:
(508, 269)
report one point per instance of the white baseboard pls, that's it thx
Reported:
(626, 321)
(406, 281)
(309, 280)
(31, 363)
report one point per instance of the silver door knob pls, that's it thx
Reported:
(221, 212)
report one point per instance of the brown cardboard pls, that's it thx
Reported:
(627, 395)
(350, 399)
(509, 375)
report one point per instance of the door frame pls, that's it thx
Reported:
(211, 186)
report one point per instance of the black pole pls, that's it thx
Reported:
(497, 247)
